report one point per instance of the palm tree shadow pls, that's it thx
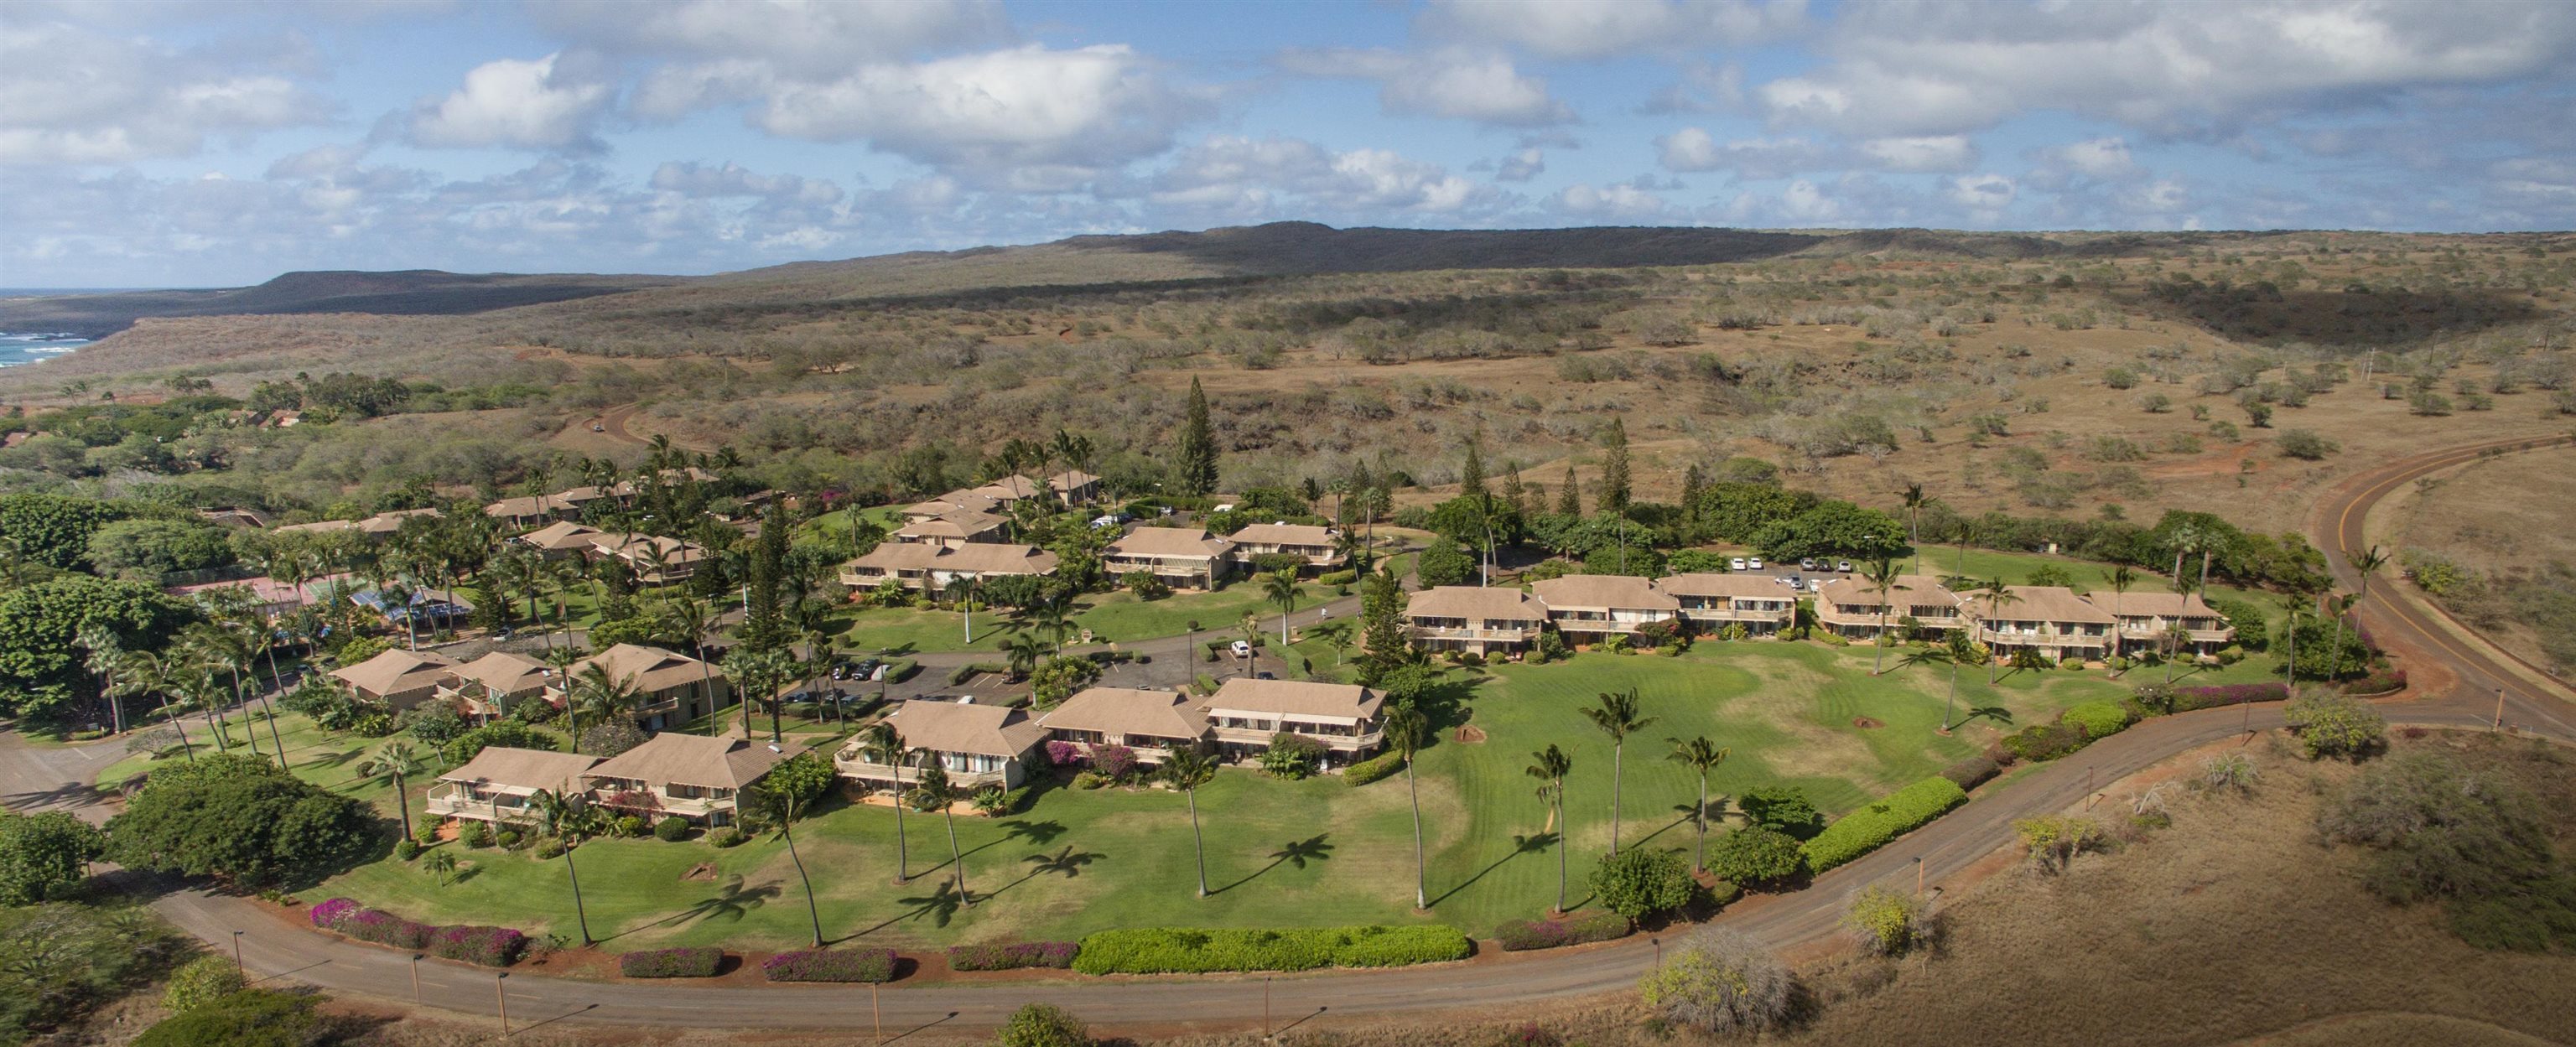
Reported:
(2001, 716)
(730, 903)
(337, 759)
(1530, 844)
(1665, 828)
(1296, 852)
(1037, 833)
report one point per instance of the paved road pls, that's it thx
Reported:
(1946, 848)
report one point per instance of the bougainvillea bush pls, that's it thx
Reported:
(830, 965)
(384, 928)
(687, 961)
(1597, 926)
(1004, 956)
(475, 943)
(2188, 698)
(327, 913)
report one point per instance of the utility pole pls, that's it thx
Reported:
(500, 991)
(1918, 876)
(415, 979)
(238, 970)
(2499, 716)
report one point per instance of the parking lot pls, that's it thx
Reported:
(1809, 578)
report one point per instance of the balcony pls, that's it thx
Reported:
(1339, 742)
(1520, 634)
(458, 805)
(863, 770)
(2151, 633)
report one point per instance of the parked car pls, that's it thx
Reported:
(1844, 566)
(1806, 563)
(1242, 649)
(1797, 581)
(1755, 562)
(1736, 564)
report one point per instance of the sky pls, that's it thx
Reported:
(167, 143)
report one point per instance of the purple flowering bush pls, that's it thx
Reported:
(2187, 698)
(1115, 762)
(1063, 754)
(1576, 929)
(384, 928)
(687, 961)
(475, 943)
(1004, 956)
(327, 913)
(829, 965)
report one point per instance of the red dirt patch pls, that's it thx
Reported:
(703, 872)
(1866, 724)
(1470, 735)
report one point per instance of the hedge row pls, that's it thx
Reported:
(686, 961)
(1871, 827)
(471, 943)
(1168, 950)
(1598, 926)
(1373, 768)
(1971, 772)
(826, 965)
(2189, 698)
(1005, 956)
(2384, 681)
(967, 671)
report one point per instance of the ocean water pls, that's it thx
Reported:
(28, 347)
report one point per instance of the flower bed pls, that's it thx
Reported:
(1171, 950)
(1004, 956)
(384, 928)
(1871, 827)
(2189, 698)
(687, 961)
(327, 913)
(475, 943)
(826, 965)
(1524, 935)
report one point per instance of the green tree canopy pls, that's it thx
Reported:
(53, 529)
(43, 856)
(157, 547)
(40, 664)
(237, 818)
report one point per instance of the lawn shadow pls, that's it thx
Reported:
(1662, 829)
(1530, 844)
(2002, 717)
(1036, 833)
(940, 905)
(339, 758)
(1297, 852)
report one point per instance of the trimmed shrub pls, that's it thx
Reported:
(1782, 807)
(2379, 682)
(472, 833)
(1971, 772)
(1373, 768)
(2330, 724)
(474, 943)
(2099, 719)
(1577, 929)
(2046, 741)
(1337, 578)
(1006, 956)
(406, 849)
(1172, 950)
(1043, 1025)
(829, 965)
(1871, 827)
(384, 928)
(204, 980)
(672, 829)
(2189, 698)
(687, 961)
(724, 836)
(548, 849)
(1755, 855)
(1643, 881)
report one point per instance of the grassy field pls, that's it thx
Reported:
(1278, 852)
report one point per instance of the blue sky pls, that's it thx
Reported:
(165, 143)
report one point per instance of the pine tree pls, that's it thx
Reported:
(1569, 501)
(1514, 494)
(1692, 485)
(1471, 477)
(1194, 468)
(764, 626)
(1382, 603)
(1614, 468)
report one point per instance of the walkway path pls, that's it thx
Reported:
(1945, 848)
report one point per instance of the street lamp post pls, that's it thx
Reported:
(415, 979)
(238, 970)
(1918, 876)
(500, 992)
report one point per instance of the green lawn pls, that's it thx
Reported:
(1279, 853)
(1118, 617)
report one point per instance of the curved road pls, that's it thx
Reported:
(1945, 848)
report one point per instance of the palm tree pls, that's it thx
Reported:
(2186, 538)
(603, 694)
(785, 809)
(1954, 650)
(2171, 642)
(1915, 502)
(881, 744)
(935, 790)
(1996, 594)
(106, 653)
(142, 672)
(1188, 769)
(1281, 589)
(961, 595)
(697, 618)
(208, 646)
(2366, 562)
(1550, 770)
(1408, 730)
(569, 817)
(1882, 575)
(818, 667)
(1701, 755)
(398, 761)
(2121, 579)
(243, 636)
(1617, 717)
(1022, 652)
(2295, 605)
(1048, 617)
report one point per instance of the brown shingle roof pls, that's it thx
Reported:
(1730, 586)
(1120, 710)
(962, 523)
(1475, 603)
(1170, 541)
(971, 558)
(652, 668)
(1297, 698)
(949, 727)
(2167, 605)
(1604, 591)
(559, 536)
(1910, 589)
(2040, 603)
(1065, 482)
(1283, 534)
(394, 672)
(503, 672)
(523, 771)
(531, 505)
(671, 758)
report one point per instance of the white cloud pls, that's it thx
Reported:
(72, 96)
(1984, 194)
(1922, 153)
(1947, 68)
(729, 179)
(1594, 29)
(1453, 83)
(539, 104)
(807, 39)
(1252, 177)
(1619, 202)
(1694, 149)
(1521, 166)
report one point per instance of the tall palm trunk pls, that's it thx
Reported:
(1951, 705)
(1560, 845)
(179, 724)
(1699, 817)
(1421, 878)
(811, 913)
(902, 844)
(956, 858)
(1197, 840)
(1618, 754)
(249, 725)
(578, 914)
(402, 798)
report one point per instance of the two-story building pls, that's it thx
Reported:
(953, 529)
(2050, 619)
(534, 510)
(1592, 608)
(561, 540)
(1151, 723)
(500, 784)
(1245, 713)
(915, 565)
(494, 684)
(377, 526)
(690, 776)
(654, 559)
(2145, 619)
(1318, 546)
(952, 502)
(397, 678)
(1183, 557)
(1074, 487)
(1473, 620)
(1852, 607)
(672, 688)
(1713, 603)
(977, 745)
